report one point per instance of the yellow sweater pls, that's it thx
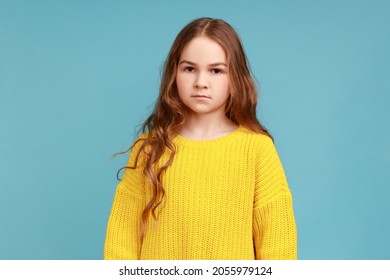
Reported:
(226, 198)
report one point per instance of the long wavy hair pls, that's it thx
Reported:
(168, 115)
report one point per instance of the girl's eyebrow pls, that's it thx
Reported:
(213, 64)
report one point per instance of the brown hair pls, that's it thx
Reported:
(168, 115)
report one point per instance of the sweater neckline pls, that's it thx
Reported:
(183, 141)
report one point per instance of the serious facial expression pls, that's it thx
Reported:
(202, 77)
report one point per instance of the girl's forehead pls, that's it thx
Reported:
(203, 49)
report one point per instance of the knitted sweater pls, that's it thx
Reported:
(226, 198)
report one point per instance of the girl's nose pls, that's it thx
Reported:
(201, 81)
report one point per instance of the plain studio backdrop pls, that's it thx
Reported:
(78, 77)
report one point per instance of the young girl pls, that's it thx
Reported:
(204, 181)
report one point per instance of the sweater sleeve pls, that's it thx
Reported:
(274, 228)
(122, 235)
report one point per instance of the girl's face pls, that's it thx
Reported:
(202, 77)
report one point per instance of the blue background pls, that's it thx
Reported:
(77, 77)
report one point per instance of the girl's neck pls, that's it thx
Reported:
(205, 127)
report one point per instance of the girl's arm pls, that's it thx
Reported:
(122, 235)
(274, 228)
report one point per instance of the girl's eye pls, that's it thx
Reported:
(216, 71)
(189, 69)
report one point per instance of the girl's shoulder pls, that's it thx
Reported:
(259, 143)
(137, 151)
(139, 141)
(254, 137)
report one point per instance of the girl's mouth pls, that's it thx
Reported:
(201, 96)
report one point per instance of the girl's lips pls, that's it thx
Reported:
(200, 96)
